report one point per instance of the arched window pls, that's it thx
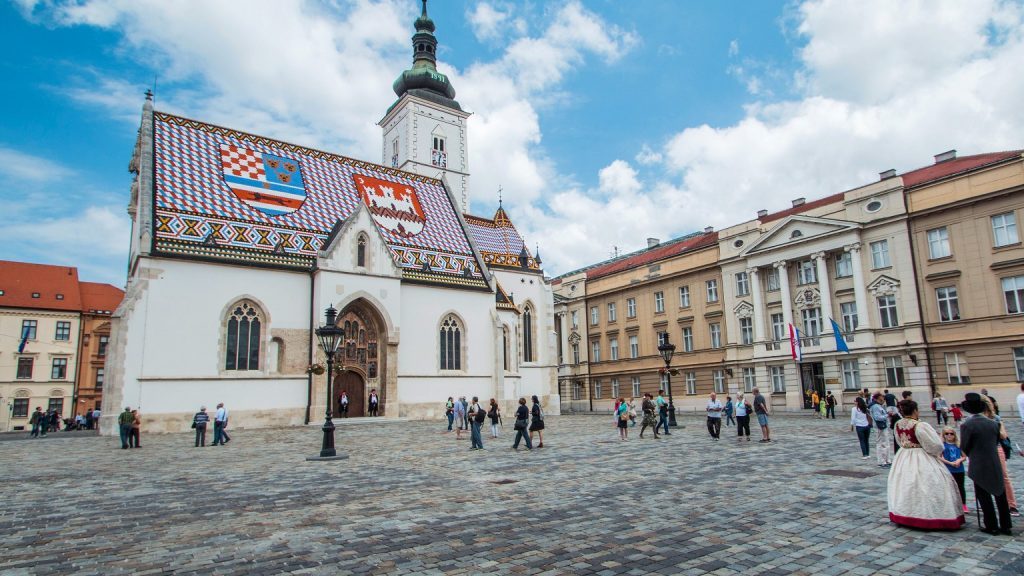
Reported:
(527, 333)
(451, 344)
(244, 325)
(361, 251)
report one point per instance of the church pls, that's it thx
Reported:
(241, 242)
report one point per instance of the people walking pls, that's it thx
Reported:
(979, 441)
(921, 492)
(954, 460)
(199, 422)
(649, 419)
(859, 421)
(662, 412)
(1020, 404)
(37, 422)
(941, 408)
(830, 405)
(537, 421)
(522, 422)
(124, 423)
(883, 447)
(714, 410)
(632, 413)
(814, 400)
(623, 421)
(476, 420)
(459, 412)
(343, 404)
(374, 403)
(743, 412)
(762, 411)
(449, 412)
(1003, 453)
(494, 413)
(136, 430)
(220, 422)
(728, 411)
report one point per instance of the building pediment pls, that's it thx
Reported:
(743, 310)
(884, 286)
(348, 237)
(796, 229)
(809, 297)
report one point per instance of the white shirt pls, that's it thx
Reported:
(858, 418)
(1020, 406)
(222, 415)
(714, 409)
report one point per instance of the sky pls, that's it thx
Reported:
(603, 122)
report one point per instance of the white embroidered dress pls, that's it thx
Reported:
(922, 492)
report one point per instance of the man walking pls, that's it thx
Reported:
(476, 419)
(941, 408)
(662, 413)
(761, 409)
(714, 409)
(37, 422)
(374, 403)
(124, 423)
(220, 423)
(460, 417)
(199, 422)
(979, 441)
(830, 405)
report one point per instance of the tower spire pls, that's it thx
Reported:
(423, 79)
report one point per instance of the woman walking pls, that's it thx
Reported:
(522, 421)
(882, 448)
(623, 421)
(537, 421)
(743, 412)
(728, 411)
(133, 437)
(494, 413)
(647, 406)
(859, 420)
(449, 412)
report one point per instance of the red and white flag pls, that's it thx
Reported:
(794, 343)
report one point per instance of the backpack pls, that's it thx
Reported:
(479, 415)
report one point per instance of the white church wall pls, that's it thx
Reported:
(540, 376)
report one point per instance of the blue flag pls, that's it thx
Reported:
(21, 346)
(840, 341)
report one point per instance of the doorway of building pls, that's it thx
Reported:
(352, 384)
(812, 380)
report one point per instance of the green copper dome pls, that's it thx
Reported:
(423, 80)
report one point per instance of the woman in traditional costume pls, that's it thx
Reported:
(922, 492)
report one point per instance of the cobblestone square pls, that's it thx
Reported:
(412, 499)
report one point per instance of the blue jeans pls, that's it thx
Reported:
(662, 422)
(125, 430)
(523, 434)
(451, 420)
(218, 433)
(474, 435)
(863, 434)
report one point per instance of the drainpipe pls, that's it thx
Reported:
(312, 342)
(920, 299)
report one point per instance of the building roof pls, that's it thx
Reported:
(803, 207)
(955, 166)
(669, 249)
(100, 298)
(499, 242)
(39, 286)
(227, 195)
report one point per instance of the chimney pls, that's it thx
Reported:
(947, 155)
(709, 229)
(799, 202)
(652, 242)
(762, 213)
(887, 174)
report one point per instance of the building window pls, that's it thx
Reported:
(887, 311)
(56, 404)
(63, 331)
(844, 265)
(938, 243)
(880, 254)
(104, 340)
(595, 351)
(636, 386)
(778, 374)
(848, 310)
(575, 353)
(28, 329)
(684, 296)
(718, 377)
(361, 251)
(394, 153)
(749, 380)
(812, 322)
(634, 347)
(597, 389)
(956, 368)
(613, 349)
(243, 338)
(504, 349)
(438, 155)
(611, 311)
(894, 371)
(577, 391)
(773, 280)
(778, 327)
(25, 367)
(742, 284)
(659, 302)
(662, 337)
(1004, 229)
(949, 304)
(529, 354)
(615, 387)
(20, 408)
(631, 307)
(806, 272)
(851, 374)
(662, 380)
(575, 318)
(688, 339)
(1018, 362)
(1013, 291)
(746, 331)
(60, 369)
(451, 344)
(100, 376)
(595, 316)
(712, 288)
(691, 383)
(716, 335)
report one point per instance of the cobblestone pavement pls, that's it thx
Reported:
(414, 500)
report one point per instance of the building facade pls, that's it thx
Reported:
(98, 304)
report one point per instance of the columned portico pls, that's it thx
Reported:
(755, 286)
(825, 289)
(859, 286)
(787, 299)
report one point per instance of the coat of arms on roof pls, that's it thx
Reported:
(394, 207)
(269, 183)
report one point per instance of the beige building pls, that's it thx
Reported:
(965, 217)
(570, 300)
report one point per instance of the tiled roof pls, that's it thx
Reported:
(56, 286)
(225, 194)
(955, 166)
(498, 241)
(660, 252)
(100, 298)
(803, 207)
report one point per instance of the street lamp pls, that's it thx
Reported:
(330, 337)
(667, 349)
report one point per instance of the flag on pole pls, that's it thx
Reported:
(21, 345)
(794, 343)
(841, 345)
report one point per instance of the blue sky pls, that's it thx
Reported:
(604, 122)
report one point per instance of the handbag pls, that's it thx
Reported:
(624, 416)
(520, 424)
(193, 424)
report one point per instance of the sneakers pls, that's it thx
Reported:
(864, 457)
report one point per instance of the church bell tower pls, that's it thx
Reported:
(425, 129)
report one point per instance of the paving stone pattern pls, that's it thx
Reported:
(414, 500)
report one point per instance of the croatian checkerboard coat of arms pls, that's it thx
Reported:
(269, 183)
(394, 207)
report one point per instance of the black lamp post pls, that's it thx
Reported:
(330, 337)
(667, 350)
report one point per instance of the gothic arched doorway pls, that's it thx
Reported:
(363, 352)
(352, 384)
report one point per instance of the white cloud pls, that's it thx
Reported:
(487, 21)
(734, 48)
(647, 156)
(17, 165)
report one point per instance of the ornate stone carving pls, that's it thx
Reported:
(854, 248)
(780, 265)
(807, 298)
(884, 286)
(818, 256)
(744, 310)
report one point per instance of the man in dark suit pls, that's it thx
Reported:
(979, 440)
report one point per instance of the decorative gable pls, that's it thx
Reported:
(355, 245)
(807, 298)
(884, 286)
(743, 310)
(797, 229)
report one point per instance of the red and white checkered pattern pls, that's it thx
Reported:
(242, 162)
